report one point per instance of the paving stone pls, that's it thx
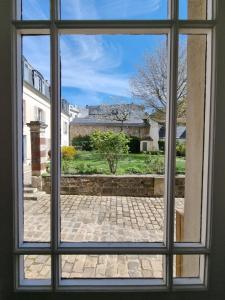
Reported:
(97, 218)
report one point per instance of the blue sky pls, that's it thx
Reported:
(95, 68)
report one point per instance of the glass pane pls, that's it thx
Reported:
(36, 136)
(112, 183)
(35, 9)
(111, 266)
(190, 135)
(37, 267)
(194, 9)
(189, 266)
(114, 9)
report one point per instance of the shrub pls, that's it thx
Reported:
(155, 152)
(68, 152)
(134, 144)
(86, 169)
(82, 143)
(111, 146)
(134, 170)
(161, 146)
(65, 167)
(154, 164)
(180, 148)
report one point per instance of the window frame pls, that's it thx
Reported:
(177, 249)
(172, 27)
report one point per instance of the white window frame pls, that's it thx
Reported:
(172, 28)
(213, 247)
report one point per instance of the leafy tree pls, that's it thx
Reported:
(111, 146)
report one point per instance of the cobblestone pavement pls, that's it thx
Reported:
(96, 218)
(96, 266)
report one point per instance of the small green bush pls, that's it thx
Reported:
(134, 144)
(65, 167)
(85, 169)
(180, 149)
(161, 146)
(68, 152)
(154, 164)
(155, 152)
(111, 146)
(133, 170)
(82, 143)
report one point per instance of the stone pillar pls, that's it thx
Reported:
(196, 72)
(197, 9)
(38, 151)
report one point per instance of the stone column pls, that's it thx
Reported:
(38, 151)
(196, 72)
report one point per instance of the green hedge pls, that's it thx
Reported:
(82, 143)
(134, 144)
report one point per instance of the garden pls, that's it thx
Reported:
(115, 153)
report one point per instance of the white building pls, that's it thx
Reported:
(74, 111)
(151, 141)
(37, 107)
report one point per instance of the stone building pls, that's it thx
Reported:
(131, 118)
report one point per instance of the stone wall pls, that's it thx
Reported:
(82, 130)
(131, 185)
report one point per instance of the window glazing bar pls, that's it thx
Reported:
(209, 139)
(171, 139)
(55, 142)
(17, 12)
(112, 248)
(112, 285)
(18, 131)
(116, 24)
(187, 283)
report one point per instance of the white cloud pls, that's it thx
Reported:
(37, 50)
(106, 9)
(89, 63)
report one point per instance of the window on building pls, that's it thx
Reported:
(65, 127)
(39, 114)
(37, 81)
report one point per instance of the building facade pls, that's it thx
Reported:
(129, 118)
(37, 108)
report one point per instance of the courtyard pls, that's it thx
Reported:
(97, 219)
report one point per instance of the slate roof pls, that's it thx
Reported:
(95, 121)
(180, 132)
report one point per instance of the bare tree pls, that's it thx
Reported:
(122, 112)
(150, 82)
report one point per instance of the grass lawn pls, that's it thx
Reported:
(87, 162)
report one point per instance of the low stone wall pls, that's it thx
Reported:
(130, 185)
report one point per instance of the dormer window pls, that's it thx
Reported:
(37, 80)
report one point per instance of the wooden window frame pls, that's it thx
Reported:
(213, 247)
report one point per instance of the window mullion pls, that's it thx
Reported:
(55, 144)
(17, 10)
(171, 138)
